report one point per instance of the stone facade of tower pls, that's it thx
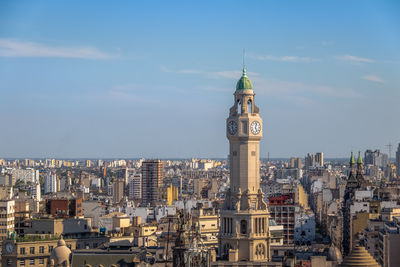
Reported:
(244, 231)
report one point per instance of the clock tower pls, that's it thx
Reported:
(244, 233)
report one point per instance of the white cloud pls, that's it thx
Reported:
(373, 78)
(229, 74)
(15, 48)
(295, 59)
(299, 89)
(291, 90)
(355, 60)
(326, 43)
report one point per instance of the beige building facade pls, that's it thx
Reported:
(7, 218)
(16, 253)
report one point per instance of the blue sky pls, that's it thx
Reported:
(156, 78)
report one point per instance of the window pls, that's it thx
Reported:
(9, 262)
(22, 251)
(22, 262)
(239, 106)
(32, 250)
(41, 249)
(32, 262)
(41, 261)
(243, 227)
(50, 248)
(249, 107)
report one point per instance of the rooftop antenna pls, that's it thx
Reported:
(244, 54)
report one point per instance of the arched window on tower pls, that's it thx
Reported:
(239, 106)
(249, 106)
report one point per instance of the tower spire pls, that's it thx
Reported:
(352, 161)
(359, 160)
(244, 63)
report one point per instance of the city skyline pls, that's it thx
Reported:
(155, 81)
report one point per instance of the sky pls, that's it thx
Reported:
(155, 79)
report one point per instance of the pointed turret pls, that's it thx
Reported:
(352, 161)
(351, 181)
(360, 171)
(359, 160)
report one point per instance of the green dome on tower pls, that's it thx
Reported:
(244, 82)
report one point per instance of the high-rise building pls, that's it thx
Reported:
(135, 187)
(296, 163)
(319, 159)
(244, 229)
(7, 219)
(398, 161)
(283, 209)
(118, 190)
(50, 183)
(35, 191)
(152, 180)
(376, 158)
(316, 160)
(172, 194)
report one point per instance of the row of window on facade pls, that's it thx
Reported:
(5, 223)
(259, 224)
(22, 251)
(31, 262)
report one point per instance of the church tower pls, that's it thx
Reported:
(244, 233)
(354, 182)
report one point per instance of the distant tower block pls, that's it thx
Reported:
(152, 180)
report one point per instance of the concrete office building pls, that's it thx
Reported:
(118, 190)
(135, 187)
(7, 218)
(152, 180)
(50, 183)
(376, 158)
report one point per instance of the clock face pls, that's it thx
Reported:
(255, 127)
(9, 247)
(232, 127)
